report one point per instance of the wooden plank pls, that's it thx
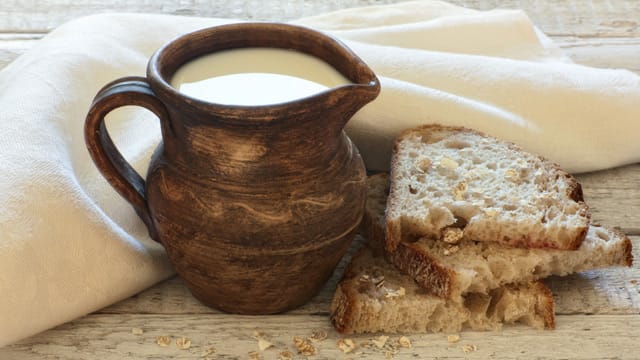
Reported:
(110, 337)
(611, 53)
(44, 15)
(606, 291)
(614, 197)
(582, 18)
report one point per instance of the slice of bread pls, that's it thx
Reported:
(375, 297)
(452, 177)
(451, 269)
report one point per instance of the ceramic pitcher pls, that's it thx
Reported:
(255, 205)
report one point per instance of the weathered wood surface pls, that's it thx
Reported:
(581, 18)
(598, 311)
(108, 337)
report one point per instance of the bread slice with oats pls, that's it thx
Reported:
(451, 269)
(373, 296)
(451, 177)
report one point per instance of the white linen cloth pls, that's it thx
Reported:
(69, 245)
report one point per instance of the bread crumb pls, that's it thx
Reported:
(404, 342)
(183, 343)
(346, 345)
(318, 335)
(453, 338)
(460, 190)
(452, 235)
(137, 331)
(263, 343)
(380, 341)
(512, 175)
(388, 354)
(490, 212)
(208, 351)
(254, 355)
(258, 334)
(634, 281)
(304, 346)
(163, 340)
(448, 163)
(423, 165)
(395, 293)
(285, 355)
(469, 348)
(451, 250)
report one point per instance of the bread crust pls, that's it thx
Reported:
(546, 305)
(343, 304)
(627, 246)
(342, 309)
(425, 270)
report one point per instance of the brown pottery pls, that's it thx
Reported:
(255, 205)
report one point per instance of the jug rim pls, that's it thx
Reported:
(179, 51)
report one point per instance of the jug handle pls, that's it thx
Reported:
(113, 166)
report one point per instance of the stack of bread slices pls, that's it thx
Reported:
(461, 232)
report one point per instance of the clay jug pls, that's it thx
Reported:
(255, 205)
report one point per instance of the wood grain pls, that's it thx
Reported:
(108, 337)
(596, 18)
(614, 197)
(604, 291)
(43, 15)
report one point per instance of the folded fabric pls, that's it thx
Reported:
(69, 245)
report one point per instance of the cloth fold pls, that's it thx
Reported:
(69, 245)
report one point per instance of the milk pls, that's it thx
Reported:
(255, 76)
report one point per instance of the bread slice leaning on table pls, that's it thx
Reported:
(449, 270)
(373, 296)
(490, 190)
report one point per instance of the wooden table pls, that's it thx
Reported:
(598, 313)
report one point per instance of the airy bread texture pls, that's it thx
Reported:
(375, 297)
(453, 177)
(451, 269)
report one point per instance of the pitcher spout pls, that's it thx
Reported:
(347, 101)
(364, 86)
